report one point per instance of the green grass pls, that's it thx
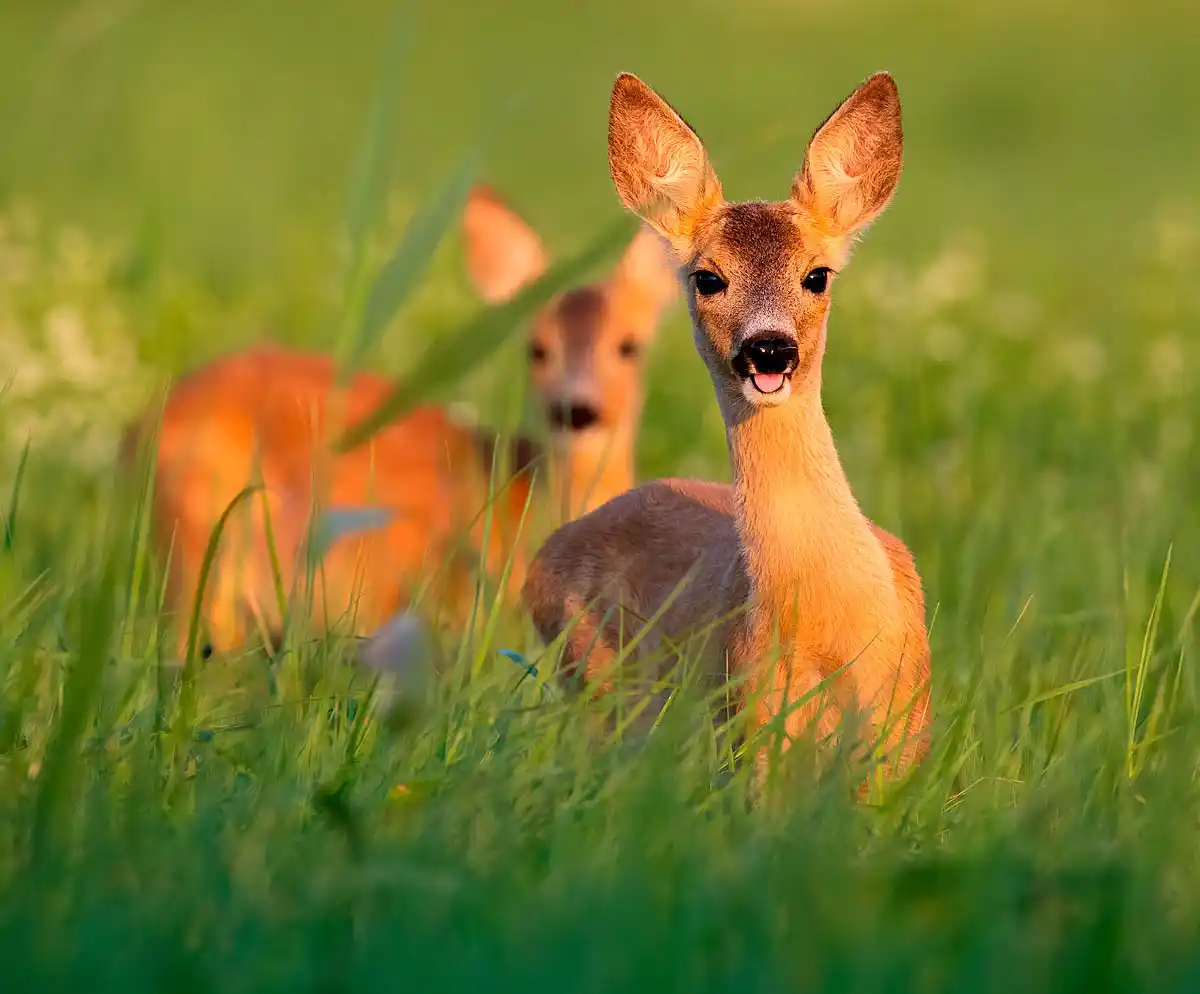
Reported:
(1009, 380)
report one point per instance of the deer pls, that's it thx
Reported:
(815, 609)
(269, 414)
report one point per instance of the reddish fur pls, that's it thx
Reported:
(269, 414)
(274, 405)
(786, 548)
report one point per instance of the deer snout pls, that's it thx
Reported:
(765, 362)
(767, 353)
(572, 414)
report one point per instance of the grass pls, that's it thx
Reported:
(1008, 378)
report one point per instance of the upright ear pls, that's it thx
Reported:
(852, 164)
(658, 163)
(644, 282)
(503, 253)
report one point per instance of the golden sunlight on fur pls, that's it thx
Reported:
(269, 413)
(784, 558)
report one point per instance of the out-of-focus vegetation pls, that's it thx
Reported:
(1008, 378)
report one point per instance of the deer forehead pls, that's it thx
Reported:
(582, 319)
(765, 247)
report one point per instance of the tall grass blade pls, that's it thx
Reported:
(498, 601)
(454, 356)
(411, 258)
(1063, 691)
(1140, 671)
(368, 182)
(10, 519)
(142, 520)
(55, 794)
(281, 604)
(187, 693)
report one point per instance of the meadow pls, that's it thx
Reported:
(1009, 374)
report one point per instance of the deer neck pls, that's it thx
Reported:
(809, 550)
(589, 469)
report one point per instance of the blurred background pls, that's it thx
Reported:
(1009, 377)
(1011, 351)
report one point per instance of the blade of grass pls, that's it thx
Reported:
(142, 519)
(368, 311)
(409, 261)
(96, 621)
(281, 595)
(368, 183)
(452, 357)
(1064, 690)
(187, 691)
(498, 602)
(1138, 676)
(10, 519)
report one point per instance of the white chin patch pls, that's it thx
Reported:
(777, 392)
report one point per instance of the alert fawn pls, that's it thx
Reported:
(270, 414)
(783, 561)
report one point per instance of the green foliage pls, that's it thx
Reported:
(1008, 377)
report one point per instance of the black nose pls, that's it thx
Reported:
(766, 353)
(576, 417)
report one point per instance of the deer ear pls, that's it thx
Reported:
(644, 283)
(658, 163)
(852, 164)
(503, 253)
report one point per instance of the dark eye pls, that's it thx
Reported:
(537, 352)
(817, 280)
(628, 349)
(708, 283)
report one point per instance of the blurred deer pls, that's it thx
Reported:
(269, 414)
(796, 584)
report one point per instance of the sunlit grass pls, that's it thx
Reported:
(1008, 379)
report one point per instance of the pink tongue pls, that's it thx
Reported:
(768, 382)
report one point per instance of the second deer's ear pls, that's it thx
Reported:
(503, 253)
(852, 164)
(658, 163)
(645, 282)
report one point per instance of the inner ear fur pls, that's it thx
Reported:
(644, 282)
(852, 164)
(658, 163)
(503, 252)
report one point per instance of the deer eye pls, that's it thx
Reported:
(628, 349)
(537, 353)
(817, 280)
(708, 282)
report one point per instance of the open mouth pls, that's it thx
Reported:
(768, 382)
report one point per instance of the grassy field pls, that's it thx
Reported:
(1008, 378)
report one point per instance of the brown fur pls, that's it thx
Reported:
(788, 542)
(269, 413)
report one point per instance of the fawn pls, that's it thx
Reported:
(784, 558)
(269, 413)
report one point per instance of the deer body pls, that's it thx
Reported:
(819, 592)
(604, 573)
(268, 415)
